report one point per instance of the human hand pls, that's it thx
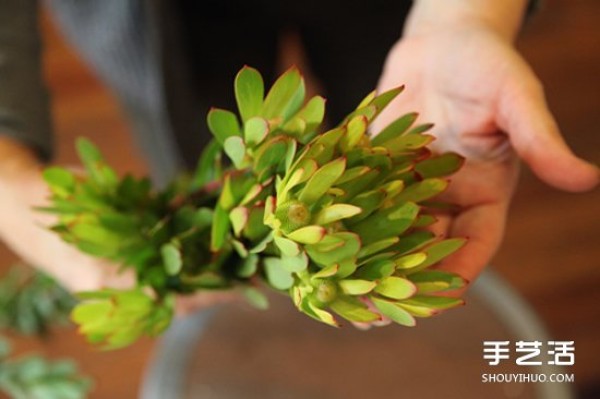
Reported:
(488, 106)
(25, 231)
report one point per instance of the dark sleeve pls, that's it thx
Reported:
(24, 103)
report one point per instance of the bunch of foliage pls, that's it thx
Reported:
(30, 302)
(337, 220)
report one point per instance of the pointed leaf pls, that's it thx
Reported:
(322, 180)
(441, 250)
(422, 190)
(394, 312)
(440, 166)
(385, 224)
(395, 129)
(434, 302)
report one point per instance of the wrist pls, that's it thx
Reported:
(433, 16)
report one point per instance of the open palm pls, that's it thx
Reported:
(488, 106)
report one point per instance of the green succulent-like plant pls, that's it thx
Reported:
(336, 219)
(30, 302)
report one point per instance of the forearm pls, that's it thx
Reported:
(504, 17)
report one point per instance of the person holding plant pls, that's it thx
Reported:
(456, 58)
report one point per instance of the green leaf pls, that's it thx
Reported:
(383, 99)
(207, 169)
(408, 142)
(223, 125)
(308, 234)
(286, 246)
(277, 276)
(396, 288)
(295, 264)
(420, 129)
(422, 190)
(355, 131)
(322, 180)
(353, 310)
(270, 154)
(394, 129)
(336, 212)
(320, 314)
(325, 256)
(61, 181)
(249, 92)
(255, 131)
(248, 266)
(285, 97)
(88, 152)
(239, 218)
(171, 257)
(410, 261)
(434, 302)
(236, 150)
(356, 287)
(428, 281)
(256, 298)
(220, 228)
(376, 270)
(440, 166)
(441, 250)
(394, 312)
(386, 224)
(413, 242)
(377, 246)
(328, 271)
(313, 113)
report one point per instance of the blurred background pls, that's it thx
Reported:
(551, 252)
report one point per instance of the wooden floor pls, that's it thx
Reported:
(551, 253)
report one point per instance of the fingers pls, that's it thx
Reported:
(483, 226)
(535, 136)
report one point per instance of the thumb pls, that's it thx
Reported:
(535, 136)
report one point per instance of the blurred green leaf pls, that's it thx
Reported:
(223, 125)
(171, 256)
